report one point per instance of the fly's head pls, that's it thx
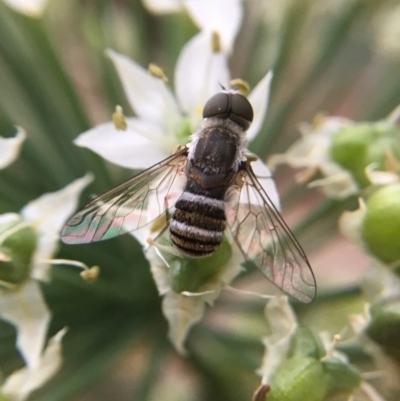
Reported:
(230, 105)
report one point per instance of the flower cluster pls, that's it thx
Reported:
(300, 363)
(28, 241)
(346, 159)
(162, 121)
(361, 159)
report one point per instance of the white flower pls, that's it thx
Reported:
(22, 303)
(184, 309)
(31, 8)
(10, 148)
(19, 385)
(283, 323)
(350, 223)
(222, 16)
(390, 176)
(311, 152)
(164, 120)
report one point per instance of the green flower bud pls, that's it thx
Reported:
(17, 249)
(190, 274)
(343, 377)
(355, 147)
(299, 378)
(384, 327)
(305, 342)
(381, 225)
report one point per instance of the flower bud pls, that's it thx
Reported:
(381, 225)
(17, 247)
(384, 327)
(343, 377)
(356, 147)
(299, 378)
(190, 274)
(305, 342)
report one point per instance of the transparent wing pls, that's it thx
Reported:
(131, 205)
(265, 239)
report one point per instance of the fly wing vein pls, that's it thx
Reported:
(265, 239)
(131, 205)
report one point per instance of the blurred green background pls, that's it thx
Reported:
(332, 56)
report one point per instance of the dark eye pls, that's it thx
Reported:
(233, 106)
(241, 107)
(217, 105)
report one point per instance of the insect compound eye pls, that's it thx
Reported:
(230, 105)
(241, 111)
(218, 105)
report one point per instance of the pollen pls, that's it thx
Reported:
(158, 224)
(242, 86)
(90, 275)
(157, 72)
(119, 119)
(215, 42)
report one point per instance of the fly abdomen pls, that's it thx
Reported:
(197, 225)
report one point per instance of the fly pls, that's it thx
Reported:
(203, 189)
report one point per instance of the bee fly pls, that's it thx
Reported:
(205, 186)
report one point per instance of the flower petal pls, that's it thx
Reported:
(380, 177)
(182, 312)
(50, 211)
(149, 97)
(31, 8)
(198, 75)
(163, 6)
(351, 222)
(140, 146)
(21, 383)
(10, 148)
(338, 183)
(282, 322)
(26, 309)
(259, 98)
(266, 180)
(185, 309)
(222, 16)
(48, 214)
(312, 149)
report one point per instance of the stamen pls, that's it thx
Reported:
(196, 294)
(243, 292)
(89, 274)
(242, 86)
(251, 158)
(119, 119)
(215, 42)
(157, 72)
(169, 249)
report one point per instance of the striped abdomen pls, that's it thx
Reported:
(197, 225)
